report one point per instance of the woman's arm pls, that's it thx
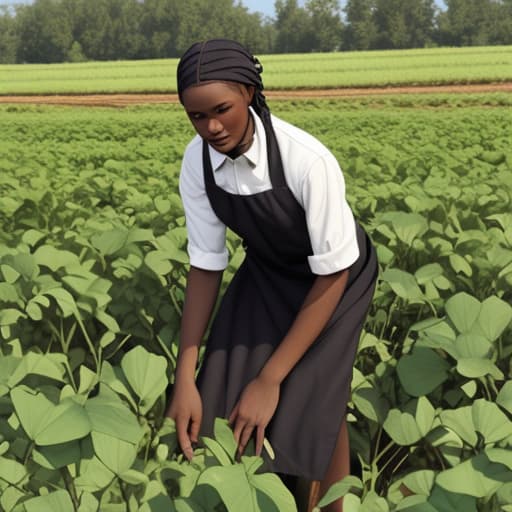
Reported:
(185, 406)
(259, 400)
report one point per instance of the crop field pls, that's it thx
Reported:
(329, 70)
(92, 271)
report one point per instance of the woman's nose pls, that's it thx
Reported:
(214, 126)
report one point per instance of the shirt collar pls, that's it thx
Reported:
(252, 155)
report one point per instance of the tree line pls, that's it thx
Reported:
(80, 30)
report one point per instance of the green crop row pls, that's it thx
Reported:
(314, 70)
(92, 270)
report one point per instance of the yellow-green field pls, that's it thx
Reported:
(316, 70)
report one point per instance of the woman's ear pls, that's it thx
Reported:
(248, 93)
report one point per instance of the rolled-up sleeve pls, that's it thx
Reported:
(206, 233)
(330, 221)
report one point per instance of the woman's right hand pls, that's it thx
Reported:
(186, 409)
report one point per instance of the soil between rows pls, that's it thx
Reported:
(122, 100)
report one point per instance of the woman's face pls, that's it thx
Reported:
(219, 112)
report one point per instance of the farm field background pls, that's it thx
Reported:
(329, 70)
(92, 269)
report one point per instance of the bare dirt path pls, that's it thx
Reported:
(122, 100)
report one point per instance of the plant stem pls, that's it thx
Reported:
(121, 343)
(29, 452)
(70, 487)
(174, 301)
(87, 339)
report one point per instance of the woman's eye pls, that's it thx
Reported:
(196, 116)
(223, 109)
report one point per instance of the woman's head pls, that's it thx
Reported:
(217, 81)
(218, 60)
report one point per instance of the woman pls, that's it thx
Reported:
(279, 357)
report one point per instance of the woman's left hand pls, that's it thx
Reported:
(254, 410)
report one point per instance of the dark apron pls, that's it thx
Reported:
(257, 310)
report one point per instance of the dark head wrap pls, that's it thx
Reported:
(222, 60)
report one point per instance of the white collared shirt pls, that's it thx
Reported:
(312, 175)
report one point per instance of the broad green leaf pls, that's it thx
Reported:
(109, 242)
(504, 397)
(9, 316)
(272, 487)
(54, 258)
(407, 226)
(12, 471)
(158, 262)
(445, 501)
(416, 503)
(500, 455)
(88, 379)
(402, 427)
(9, 497)
(162, 204)
(186, 505)
(64, 300)
(116, 454)
(460, 265)
(463, 310)
(370, 402)
(57, 456)
(475, 367)
(115, 380)
(372, 502)
(133, 477)
(476, 477)
(471, 345)
(339, 489)
(420, 482)
(146, 374)
(428, 273)
(460, 421)
(224, 436)
(136, 234)
(88, 503)
(217, 451)
(107, 320)
(58, 501)
(37, 364)
(490, 421)
(470, 388)
(422, 371)
(93, 475)
(24, 264)
(495, 315)
(113, 418)
(9, 293)
(31, 237)
(232, 485)
(424, 415)
(403, 284)
(46, 423)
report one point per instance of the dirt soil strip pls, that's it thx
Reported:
(122, 100)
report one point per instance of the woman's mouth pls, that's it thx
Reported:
(219, 141)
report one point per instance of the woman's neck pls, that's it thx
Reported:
(245, 141)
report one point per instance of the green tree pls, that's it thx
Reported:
(360, 30)
(404, 23)
(45, 32)
(326, 24)
(474, 22)
(8, 38)
(293, 27)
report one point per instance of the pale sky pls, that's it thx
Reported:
(267, 6)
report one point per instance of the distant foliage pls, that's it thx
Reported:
(51, 30)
